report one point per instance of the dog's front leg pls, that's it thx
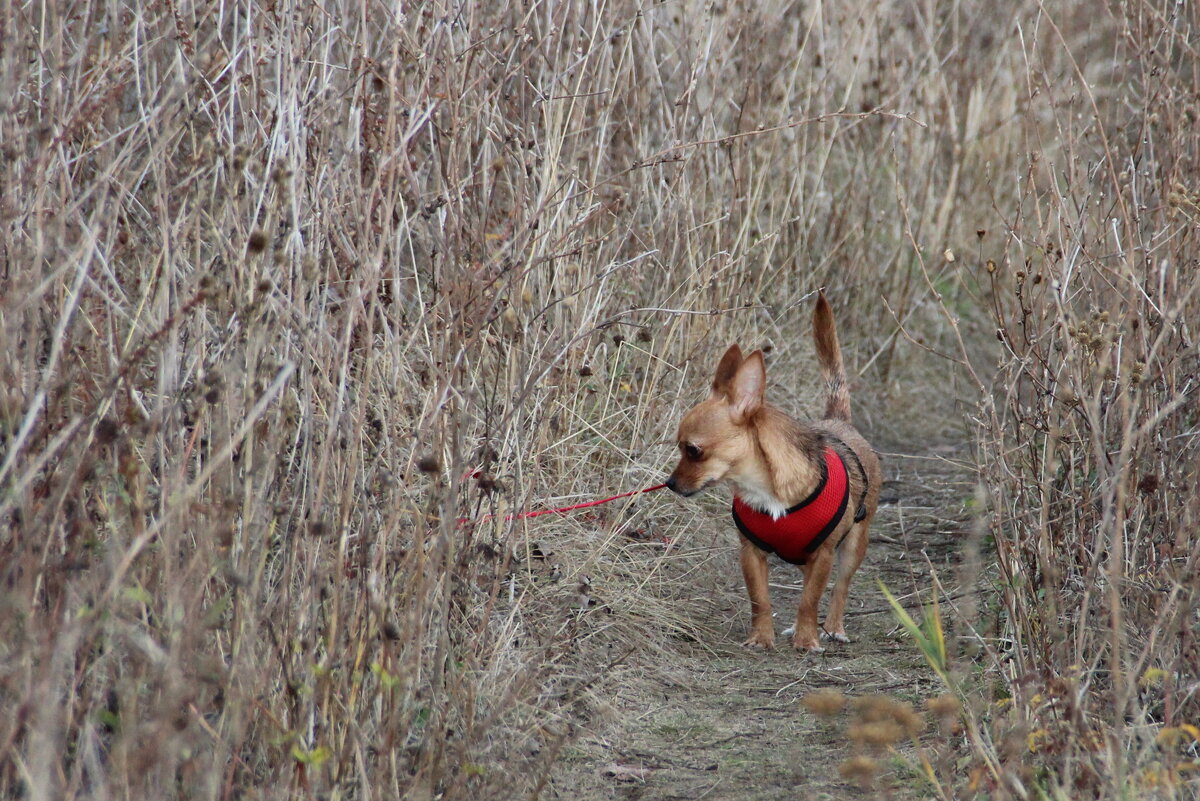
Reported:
(816, 577)
(754, 569)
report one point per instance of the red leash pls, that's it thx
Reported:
(563, 509)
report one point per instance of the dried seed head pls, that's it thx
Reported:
(429, 464)
(879, 734)
(1154, 677)
(881, 709)
(257, 242)
(860, 769)
(107, 431)
(944, 706)
(908, 719)
(871, 708)
(825, 703)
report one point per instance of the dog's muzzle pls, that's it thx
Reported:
(673, 486)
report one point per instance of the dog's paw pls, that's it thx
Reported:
(813, 647)
(836, 636)
(760, 639)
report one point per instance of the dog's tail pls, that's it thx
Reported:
(829, 354)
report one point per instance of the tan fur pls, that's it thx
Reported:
(829, 356)
(773, 462)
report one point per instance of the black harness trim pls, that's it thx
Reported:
(862, 499)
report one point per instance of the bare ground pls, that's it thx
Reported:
(722, 722)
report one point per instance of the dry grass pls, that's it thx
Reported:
(1087, 444)
(285, 290)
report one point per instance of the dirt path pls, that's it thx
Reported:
(726, 723)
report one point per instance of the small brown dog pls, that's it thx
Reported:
(804, 492)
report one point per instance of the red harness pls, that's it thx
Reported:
(806, 525)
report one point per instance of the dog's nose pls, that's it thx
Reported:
(671, 484)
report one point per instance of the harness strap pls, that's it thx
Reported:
(862, 499)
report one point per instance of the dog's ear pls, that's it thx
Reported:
(746, 389)
(726, 369)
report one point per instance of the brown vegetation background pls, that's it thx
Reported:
(288, 289)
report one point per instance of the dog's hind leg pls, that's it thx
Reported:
(850, 555)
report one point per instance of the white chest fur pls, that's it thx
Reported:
(757, 496)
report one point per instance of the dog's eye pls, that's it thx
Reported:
(692, 452)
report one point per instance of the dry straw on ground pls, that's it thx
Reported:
(287, 289)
